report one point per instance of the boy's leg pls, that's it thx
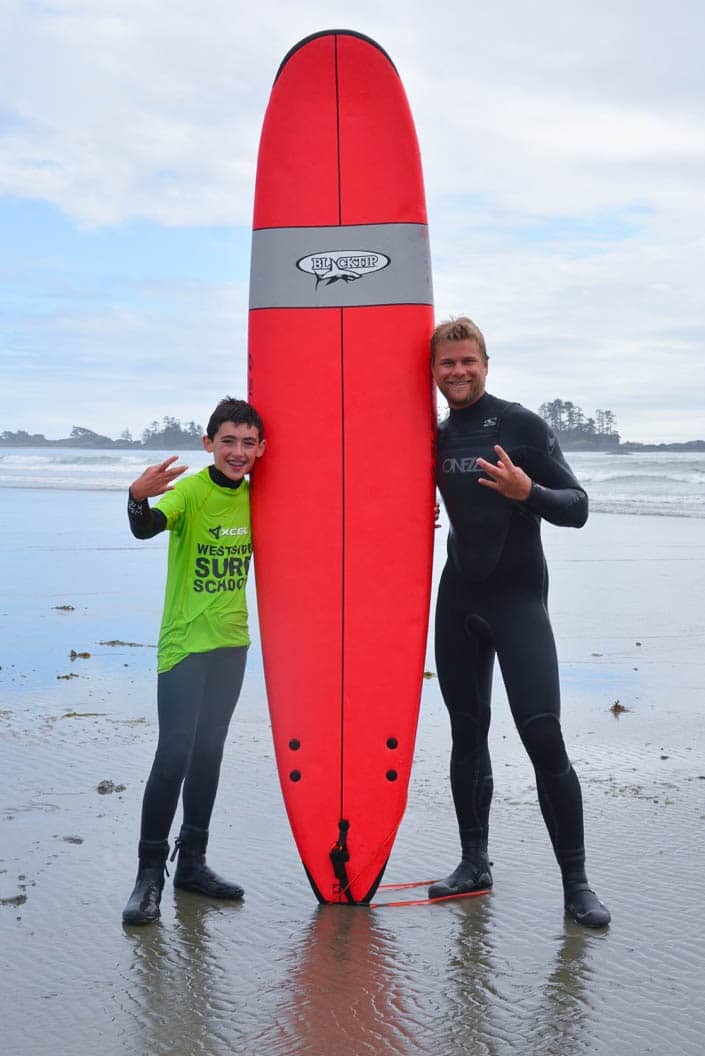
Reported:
(226, 669)
(225, 672)
(180, 694)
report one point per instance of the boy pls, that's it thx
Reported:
(202, 647)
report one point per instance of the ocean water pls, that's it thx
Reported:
(82, 469)
(661, 483)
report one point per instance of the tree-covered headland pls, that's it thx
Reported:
(577, 432)
(169, 434)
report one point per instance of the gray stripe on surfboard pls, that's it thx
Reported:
(340, 267)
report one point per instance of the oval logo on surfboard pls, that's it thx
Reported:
(342, 265)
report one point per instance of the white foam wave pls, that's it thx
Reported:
(85, 470)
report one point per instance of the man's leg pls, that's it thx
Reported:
(464, 661)
(527, 656)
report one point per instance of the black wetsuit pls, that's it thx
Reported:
(492, 599)
(195, 699)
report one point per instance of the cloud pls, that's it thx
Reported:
(564, 155)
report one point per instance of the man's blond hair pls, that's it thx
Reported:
(460, 329)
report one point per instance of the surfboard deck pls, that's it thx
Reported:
(339, 324)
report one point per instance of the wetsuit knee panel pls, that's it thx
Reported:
(542, 737)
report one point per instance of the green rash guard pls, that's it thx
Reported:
(210, 549)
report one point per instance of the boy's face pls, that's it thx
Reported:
(235, 449)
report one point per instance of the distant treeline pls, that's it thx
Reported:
(575, 433)
(575, 430)
(171, 434)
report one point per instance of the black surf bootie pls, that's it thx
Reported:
(143, 904)
(585, 908)
(473, 874)
(192, 873)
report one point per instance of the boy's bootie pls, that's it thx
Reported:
(192, 873)
(143, 904)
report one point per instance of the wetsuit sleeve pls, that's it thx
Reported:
(555, 493)
(144, 521)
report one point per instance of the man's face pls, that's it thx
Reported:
(235, 449)
(460, 370)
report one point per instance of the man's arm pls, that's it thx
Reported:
(556, 495)
(566, 507)
(144, 521)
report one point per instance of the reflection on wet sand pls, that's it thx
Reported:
(184, 999)
(560, 1019)
(465, 1022)
(344, 989)
(491, 1008)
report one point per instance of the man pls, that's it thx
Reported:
(500, 470)
(202, 647)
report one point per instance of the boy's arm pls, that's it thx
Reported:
(144, 521)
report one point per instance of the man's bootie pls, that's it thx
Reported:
(143, 904)
(192, 873)
(585, 908)
(473, 874)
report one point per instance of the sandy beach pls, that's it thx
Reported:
(278, 975)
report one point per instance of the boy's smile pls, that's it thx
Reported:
(235, 448)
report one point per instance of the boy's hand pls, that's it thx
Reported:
(156, 479)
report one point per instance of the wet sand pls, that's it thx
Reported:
(278, 975)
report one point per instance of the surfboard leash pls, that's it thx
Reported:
(340, 856)
(420, 901)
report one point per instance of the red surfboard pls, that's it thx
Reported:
(340, 318)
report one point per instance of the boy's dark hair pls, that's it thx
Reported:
(239, 412)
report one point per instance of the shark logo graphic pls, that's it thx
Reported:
(342, 265)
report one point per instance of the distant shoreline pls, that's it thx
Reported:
(115, 445)
(629, 446)
(191, 443)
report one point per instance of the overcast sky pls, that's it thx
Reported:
(563, 146)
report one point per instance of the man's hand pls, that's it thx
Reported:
(156, 479)
(506, 478)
